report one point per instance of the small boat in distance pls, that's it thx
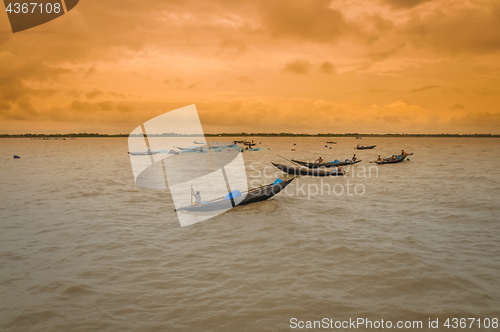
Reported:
(329, 164)
(145, 153)
(397, 159)
(195, 142)
(301, 170)
(365, 147)
(331, 142)
(252, 196)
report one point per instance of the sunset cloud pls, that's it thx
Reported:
(319, 65)
(298, 67)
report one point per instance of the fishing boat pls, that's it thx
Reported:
(331, 142)
(252, 196)
(365, 147)
(201, 148)
(236, 142)
(195, 142)
(302, 170)
(398, 159)
(150, 153)
(143, 153)
(329, 164)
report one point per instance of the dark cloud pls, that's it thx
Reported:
(426, 87)
(404, 4)
(312, 20)
(93, 94)
(479, 120)
(301, 67)
(87, 107)
(194, 85)
(124, 108)
(117, 95)
(457, 107)
(464, 29)
(327, 68)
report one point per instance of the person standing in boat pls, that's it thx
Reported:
(403, 153)
(319, 161)
(354, 158)
(197, 197)
(379, 159)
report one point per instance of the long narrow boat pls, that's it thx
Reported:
(150, 153)
(331, 142)
(399, 159)
(195, 142)
(365, 147)
(330, 164)
(252, 196)
(201, 148)
(143, 153)
(296, 170)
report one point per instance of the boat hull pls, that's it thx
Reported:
(327, 165)
(293, 170)
(252, 196)
(365, 147)
(383, 162)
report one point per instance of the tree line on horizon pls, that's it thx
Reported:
(283, 134)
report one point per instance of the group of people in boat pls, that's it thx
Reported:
(394, 158)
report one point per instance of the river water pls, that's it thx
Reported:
(82, 248)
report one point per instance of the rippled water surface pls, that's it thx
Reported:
(82, 248)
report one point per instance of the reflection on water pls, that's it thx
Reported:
(84, 249)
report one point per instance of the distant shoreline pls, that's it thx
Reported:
(85, 135)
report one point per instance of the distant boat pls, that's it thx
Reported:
(195, 142)
(331, 142)
(398, 159)
(359, 137)
(365, 147)
(143, 153)
(330, 164)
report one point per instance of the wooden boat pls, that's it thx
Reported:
(330, 164)
(202, 148)
(365, 147)
(399, 159)
(143, 153)
(196, 142)
(331, 142)
(253, 195)
(302, 170)
(235, 142)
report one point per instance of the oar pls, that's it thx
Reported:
(291, 161)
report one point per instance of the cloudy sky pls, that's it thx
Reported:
(371, 66)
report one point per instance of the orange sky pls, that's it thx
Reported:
(414, 66)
